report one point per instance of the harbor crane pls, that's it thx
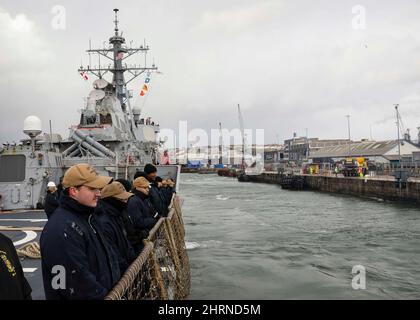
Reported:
(220, 144)
(241, 127)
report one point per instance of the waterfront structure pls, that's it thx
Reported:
(384, 152)
(299, 149)
(273, 156)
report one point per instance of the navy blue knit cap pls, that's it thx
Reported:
(149, 168)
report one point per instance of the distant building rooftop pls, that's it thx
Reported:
(363, 148)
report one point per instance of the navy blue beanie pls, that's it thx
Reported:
(149, 168)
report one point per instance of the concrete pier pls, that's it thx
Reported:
(266, 177)
(378, 187)
(366, 187)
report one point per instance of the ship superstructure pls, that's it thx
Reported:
(111, 134)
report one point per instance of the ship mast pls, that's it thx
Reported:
(117, 52)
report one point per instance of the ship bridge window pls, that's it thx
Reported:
(106, 119)
(12, 168)
(87, 120)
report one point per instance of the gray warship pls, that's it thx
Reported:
(111, 134)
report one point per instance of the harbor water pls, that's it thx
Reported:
(257, 241)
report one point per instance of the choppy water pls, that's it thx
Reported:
(257, 241)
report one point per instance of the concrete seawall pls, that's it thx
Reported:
(271, 177)
(387, 189)
(364, 187)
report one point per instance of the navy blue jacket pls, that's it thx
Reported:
(141, 211)
(51, 203)
(167, 193)
(157, 200)
(110, 212)
(73, 239)
(13, 284)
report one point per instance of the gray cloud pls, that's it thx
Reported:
(291, 65)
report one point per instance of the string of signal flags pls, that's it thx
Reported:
(146, 83)
(144, 89)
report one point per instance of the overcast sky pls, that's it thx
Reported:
(291, 65)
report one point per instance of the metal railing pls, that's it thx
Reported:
(162, 270)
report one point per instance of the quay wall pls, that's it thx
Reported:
(265, 178)
(364, 187)
(386, 189)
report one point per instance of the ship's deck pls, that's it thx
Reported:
(32, 267)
